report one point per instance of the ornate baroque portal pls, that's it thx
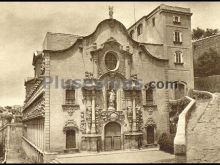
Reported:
(111, 103)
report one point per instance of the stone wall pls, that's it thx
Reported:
(210, 83)
(10, 136)
(203, 45)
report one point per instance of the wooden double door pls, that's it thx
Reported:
(112, 136)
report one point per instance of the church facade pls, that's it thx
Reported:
(67, 110)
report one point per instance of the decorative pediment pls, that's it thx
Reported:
(70, 125)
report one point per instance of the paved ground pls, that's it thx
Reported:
(137, 156)
(15, 157)
(203, 133)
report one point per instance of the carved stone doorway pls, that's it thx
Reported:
(112, 136)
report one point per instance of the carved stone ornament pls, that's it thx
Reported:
(70, 125)
(139, 117)
(150, 108)
(83, 123)
(70, 108)
(107, 116)
(150, 122)
(89, 75)
(42, 68)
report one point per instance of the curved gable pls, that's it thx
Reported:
(105, 29)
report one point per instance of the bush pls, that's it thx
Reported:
(166, 143)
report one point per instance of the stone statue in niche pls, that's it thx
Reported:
(112, 100)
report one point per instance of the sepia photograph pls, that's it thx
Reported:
(109, 82)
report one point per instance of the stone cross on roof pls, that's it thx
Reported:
(110, 11)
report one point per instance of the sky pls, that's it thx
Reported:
(23, 26)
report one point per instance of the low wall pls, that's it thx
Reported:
(32, 152)
(210, 83)
(35, 154)
(10, 136)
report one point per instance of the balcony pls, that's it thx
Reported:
(37, 109)
(35, 91)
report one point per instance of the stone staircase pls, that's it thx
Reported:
(203, 132)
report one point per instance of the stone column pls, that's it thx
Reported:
(93, 130)
(134, 125)
(88, 105)
(95, 67)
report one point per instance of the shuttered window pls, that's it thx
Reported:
(178, 57)
(177, 37)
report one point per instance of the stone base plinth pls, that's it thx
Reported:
(133, 140)
(91, 143)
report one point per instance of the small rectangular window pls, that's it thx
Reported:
(178, 57)
(140, 29)
(176, 19)
(177, 37)
(149, 96)
(70, 96)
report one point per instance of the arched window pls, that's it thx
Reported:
(132, 34)
(140, 29)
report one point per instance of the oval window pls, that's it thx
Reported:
(111, 61)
